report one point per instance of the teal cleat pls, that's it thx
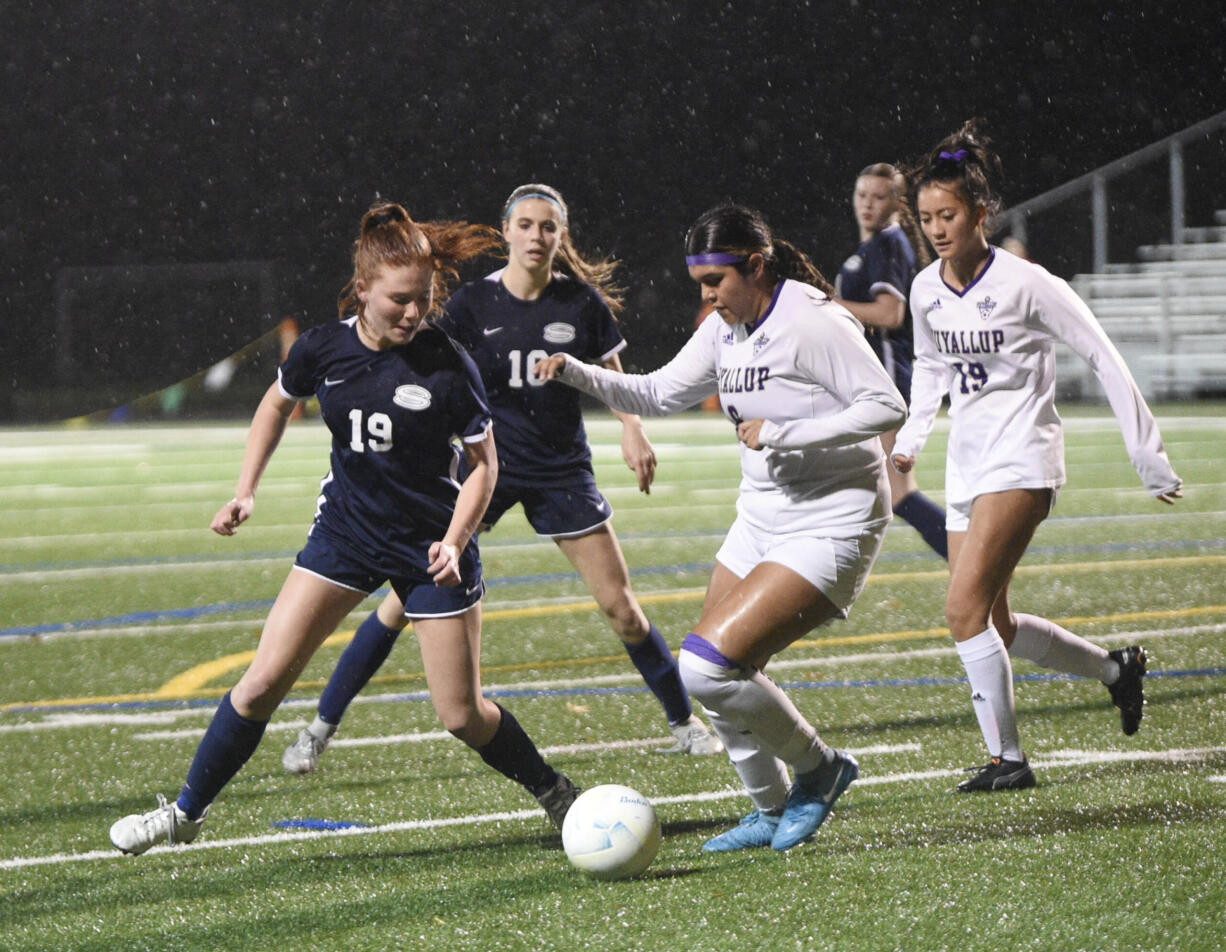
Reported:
(812, 796)
(757, 829)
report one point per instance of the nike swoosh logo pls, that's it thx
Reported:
(490, 330)
(332, 383)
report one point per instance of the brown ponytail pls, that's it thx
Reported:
(388, 237)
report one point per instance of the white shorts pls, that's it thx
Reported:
(959, 498)
(838, 568)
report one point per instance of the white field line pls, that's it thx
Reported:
(273, 727)
(488, 549)
(256, 622)
(779, 664)
(61, 720)
(624, 507)
(258, 529)
(59, 444)
(488, 546)
(1188, 755)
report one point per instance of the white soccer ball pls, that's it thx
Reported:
(611, 832)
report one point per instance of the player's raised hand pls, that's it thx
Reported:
(550, 367)
(444, 565)
(232, 515)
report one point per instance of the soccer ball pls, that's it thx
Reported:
(611, 832)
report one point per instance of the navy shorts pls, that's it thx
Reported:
(570, 506)
(330, 559)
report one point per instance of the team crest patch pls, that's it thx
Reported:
(759, 344)
(559, 333)
(854, 263)
(412, 397)
(986, 307)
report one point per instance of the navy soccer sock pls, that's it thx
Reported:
(512, 753)
(228, 743)
(360, 660)
(928, 519)
(659, 669)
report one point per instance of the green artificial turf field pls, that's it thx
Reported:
(123, 620)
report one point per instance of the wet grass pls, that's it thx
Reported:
(108, 557)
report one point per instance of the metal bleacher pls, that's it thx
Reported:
(1166, 312)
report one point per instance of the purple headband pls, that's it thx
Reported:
(713, 257)
(957, 156)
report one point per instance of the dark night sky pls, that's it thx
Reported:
(153, 132)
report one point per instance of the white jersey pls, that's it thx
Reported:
(992, 348)
(804, 368)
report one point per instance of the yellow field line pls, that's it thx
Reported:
(190, 684)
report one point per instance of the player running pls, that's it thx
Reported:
(549, 297)
(394, 392)
(809, 400)
(986, 326)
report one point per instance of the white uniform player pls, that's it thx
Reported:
(986, 324)
(992, 348)
(809, 399)
(806, 370)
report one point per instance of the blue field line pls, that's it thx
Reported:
(308, 823)
(594, 691)
(191, 614)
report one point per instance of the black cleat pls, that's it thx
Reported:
(1126, 692)
(999, 774)
(557, 800)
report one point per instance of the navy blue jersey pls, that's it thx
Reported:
(886, 262)
(393, 415)
(538, 426)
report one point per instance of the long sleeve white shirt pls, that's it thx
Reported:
(991, 347)
(806, 370)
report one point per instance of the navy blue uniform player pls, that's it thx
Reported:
(547, 299)
(873, 285)
(394, 393)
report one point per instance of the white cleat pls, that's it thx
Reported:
(167, 824)
(302, 756)
(693, 737)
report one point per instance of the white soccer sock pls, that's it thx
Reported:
(750, 701)
(321, 728)
(987, 668)
(764, 775)
(1050, 646)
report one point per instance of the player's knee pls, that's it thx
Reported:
(465, 720)
(965, 617)
(626, 619)
(709, 683)
(257, 696)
